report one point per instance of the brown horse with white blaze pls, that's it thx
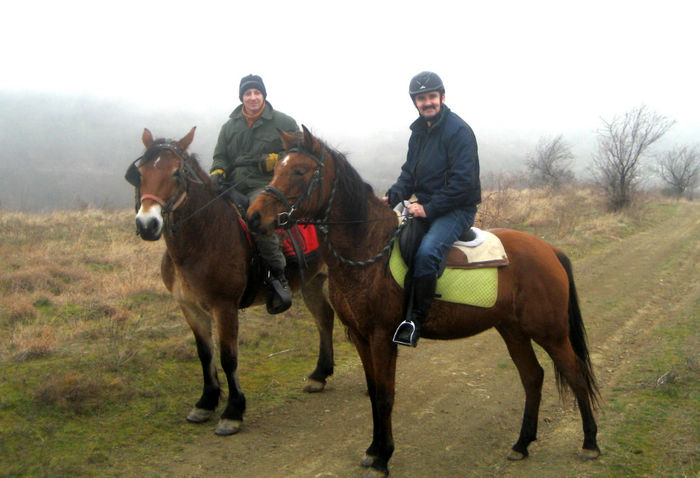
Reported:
(536, 293)
(206, 266)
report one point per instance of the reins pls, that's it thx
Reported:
(209, 203)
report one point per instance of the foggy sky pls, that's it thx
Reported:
(525, 68)
(515, 71)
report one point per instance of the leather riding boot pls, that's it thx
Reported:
(280, 298)
(408, 332)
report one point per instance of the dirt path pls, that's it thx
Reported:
(459, 403)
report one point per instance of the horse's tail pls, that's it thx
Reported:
(577, 337)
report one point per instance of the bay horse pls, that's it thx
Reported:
(206, 267)
(537, 298)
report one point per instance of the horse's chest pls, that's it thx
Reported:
(189, 287)
(354, 300)
(182, 289)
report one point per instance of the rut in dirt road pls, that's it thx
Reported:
(459, 403)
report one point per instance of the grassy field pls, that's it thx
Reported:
(98, 368)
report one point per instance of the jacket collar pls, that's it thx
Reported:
(266, 114)
(421, 126)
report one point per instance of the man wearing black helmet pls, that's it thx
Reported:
(245, 156)
(442, 171)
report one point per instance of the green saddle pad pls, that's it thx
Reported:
(478, 287)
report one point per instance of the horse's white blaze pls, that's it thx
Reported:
(285, 160)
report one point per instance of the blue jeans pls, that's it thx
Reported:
(443, 231)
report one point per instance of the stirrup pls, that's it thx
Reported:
(279, 298)
(410, 326)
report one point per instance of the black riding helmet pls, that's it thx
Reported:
(425, 82)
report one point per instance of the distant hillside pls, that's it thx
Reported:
(72, 152)
(66, 153)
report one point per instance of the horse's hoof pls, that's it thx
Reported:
(372, 473)
(199, 415)
(314, 386)
(586, 454)
(367, 460)
(516, 456)
(228, 427)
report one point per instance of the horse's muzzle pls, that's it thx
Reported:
(149, 230)
(255, 223)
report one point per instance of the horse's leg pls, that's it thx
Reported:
(227, 324)
(531, 376)
(200, 323)
(379, 361)
(573, 370)
(317, 302)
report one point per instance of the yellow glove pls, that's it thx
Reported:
(217, 179)
(267, 165)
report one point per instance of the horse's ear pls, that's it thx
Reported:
(287, 138)
(308, 138)
(185, 142)
(147, 138)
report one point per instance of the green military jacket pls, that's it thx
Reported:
(240, 148)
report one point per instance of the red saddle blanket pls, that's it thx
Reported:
(305, 238)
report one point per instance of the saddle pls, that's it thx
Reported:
(474, 249)
(469, 275)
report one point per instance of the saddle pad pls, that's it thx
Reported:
(304, 236)
(484, 251)
(478, 287)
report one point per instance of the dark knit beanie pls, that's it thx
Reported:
(251, 81)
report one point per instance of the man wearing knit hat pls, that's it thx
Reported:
(246, 152)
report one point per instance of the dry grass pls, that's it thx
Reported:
(64, 278)
(78, 280)
(92, 338)
(574, 219)
(32, 341)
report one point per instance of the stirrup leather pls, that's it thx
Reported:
(412, 327)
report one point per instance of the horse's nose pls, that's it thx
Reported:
(148, 230)
(254, 222)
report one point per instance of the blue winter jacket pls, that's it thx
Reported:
(442, 166)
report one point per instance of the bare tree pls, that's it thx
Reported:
(680, 169)
(551, 165)
(622, 144)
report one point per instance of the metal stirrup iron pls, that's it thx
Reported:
(405, 323)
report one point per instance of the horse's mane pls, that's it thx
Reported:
(350, 184)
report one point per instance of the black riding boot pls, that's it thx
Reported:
(280, 298)
(408, 331)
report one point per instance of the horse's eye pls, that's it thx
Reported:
(299, 172)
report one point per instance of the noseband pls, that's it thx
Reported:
(285, 219)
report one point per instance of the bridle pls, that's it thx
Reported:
(183, 175)
(286, 220)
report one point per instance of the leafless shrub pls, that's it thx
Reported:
(622, 144)
(501, 201)
(680, 169)
(551, 164)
